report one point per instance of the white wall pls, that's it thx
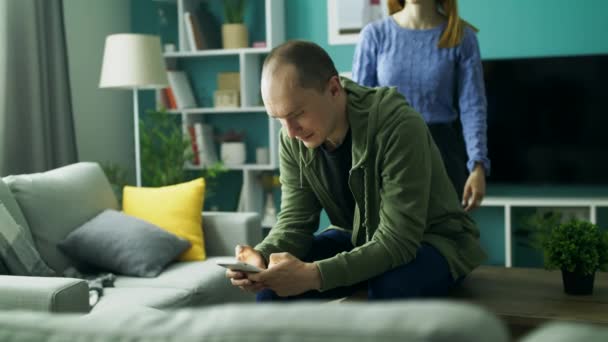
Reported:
(103, 117)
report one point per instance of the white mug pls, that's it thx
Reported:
(169, 47)
(262, 155)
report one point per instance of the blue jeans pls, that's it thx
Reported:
(428, 275)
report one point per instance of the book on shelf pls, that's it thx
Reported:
(169, 98)
(206, 147)
(195, 150)
(194, 33)
(181, 89)
(162, 101)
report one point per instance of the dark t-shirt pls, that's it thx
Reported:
(336, 165)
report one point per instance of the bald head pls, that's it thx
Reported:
(307, 63)
(300, 88)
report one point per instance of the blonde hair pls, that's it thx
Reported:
(454, 31)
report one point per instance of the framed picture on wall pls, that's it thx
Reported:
(346, 18)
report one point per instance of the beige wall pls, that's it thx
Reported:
(103, 117)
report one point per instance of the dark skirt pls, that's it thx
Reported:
(450, 141)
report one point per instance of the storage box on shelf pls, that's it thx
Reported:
(248, 66)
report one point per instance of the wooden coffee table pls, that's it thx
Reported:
(525, 297)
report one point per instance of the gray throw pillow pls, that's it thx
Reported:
(17, 252)
(123, 244)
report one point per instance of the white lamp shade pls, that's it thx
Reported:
(133, 61)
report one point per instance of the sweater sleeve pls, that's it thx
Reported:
(405, 178)
(365, 58)
(300, 209)
(472, 102)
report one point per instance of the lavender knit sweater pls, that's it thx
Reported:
(438, 82)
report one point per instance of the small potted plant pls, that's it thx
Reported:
(234, 31)
(579, 249)
(165, 150)
(232, 148)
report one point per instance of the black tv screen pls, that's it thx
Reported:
(548, 120)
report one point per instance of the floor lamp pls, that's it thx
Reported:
(133, 61)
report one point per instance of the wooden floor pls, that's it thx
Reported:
(525, 298)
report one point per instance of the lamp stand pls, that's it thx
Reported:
(136, 128)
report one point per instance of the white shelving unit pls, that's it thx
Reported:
(508, 203)
(250, 62)
(217, 52)
(211, 110)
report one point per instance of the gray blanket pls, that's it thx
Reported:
(18, 256)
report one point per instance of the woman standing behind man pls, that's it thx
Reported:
(432, 57)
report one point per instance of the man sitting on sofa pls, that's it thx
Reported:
(367, 158)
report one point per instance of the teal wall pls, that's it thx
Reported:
(524, 28)
(515, 28)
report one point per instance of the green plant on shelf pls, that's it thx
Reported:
(165, 150)
(576, 246)
(231, 136)
(234, 11)
(534, 229)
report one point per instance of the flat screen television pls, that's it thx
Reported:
(548, 120)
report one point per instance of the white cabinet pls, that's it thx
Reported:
(249, 67)
(585, 208)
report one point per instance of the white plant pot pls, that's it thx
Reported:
(233, 153)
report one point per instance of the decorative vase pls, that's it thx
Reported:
(233, 153)
(270, 212)
(234, 36)
(576, 283)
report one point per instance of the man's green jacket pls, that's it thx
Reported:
(402, 193)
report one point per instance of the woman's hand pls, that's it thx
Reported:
(474, 189)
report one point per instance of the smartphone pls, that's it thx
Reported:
(239, 266)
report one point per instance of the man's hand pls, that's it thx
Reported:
(288, 276)
(474, 188)
(241, 279)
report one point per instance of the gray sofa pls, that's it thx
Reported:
(302, 322)
(52, 204)
(418, 321)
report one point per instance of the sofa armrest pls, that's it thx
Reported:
(51, 294)
(224, 230)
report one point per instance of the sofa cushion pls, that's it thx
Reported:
(123, 244)
(52, 294)
(567, 332)
(58, 201)
(6, 197)
(419, 321)
(175, 208)
(204, 280)
(157, 298)
(17, 251)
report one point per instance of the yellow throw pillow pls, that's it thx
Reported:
(175, 208)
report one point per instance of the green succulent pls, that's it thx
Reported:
(576, 246)
(234, 11)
